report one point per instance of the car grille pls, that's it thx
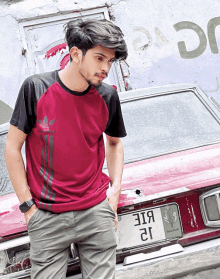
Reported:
(210, 207)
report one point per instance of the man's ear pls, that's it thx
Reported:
(75, 54)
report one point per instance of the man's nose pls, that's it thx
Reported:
(105, 68)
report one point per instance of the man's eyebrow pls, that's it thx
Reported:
(100, 54)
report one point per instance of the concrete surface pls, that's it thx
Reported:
(207, 274)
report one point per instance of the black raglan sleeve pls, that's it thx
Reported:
(24, 114)
(115, 126)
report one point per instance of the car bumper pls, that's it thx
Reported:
(194, 258)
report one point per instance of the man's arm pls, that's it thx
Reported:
(115, 162)
(15, 166)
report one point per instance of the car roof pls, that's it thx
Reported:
(155, 90)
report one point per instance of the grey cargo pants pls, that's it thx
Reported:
(92, 229)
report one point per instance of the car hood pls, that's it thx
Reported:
(143, 180)
(11, 219)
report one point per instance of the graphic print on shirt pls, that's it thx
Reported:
(45, 125)
(46, 172)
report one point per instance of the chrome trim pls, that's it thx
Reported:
(23, 274)
(14, 242)
(4, 128)
(207, 222)
(168, 250)
(126, 95)
(139, 249)
(207, 105)
(215, 102)
(153, 95)
(74, 251)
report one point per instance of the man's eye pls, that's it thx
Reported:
(99, 58)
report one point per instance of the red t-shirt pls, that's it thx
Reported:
(64, 147)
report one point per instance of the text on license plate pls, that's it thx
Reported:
(148, 225)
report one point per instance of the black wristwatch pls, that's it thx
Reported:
(25, 206)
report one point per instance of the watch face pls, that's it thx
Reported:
(24, 207)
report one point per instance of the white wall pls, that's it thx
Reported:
(162, 64)
(154, 58)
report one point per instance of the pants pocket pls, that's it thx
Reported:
(109, 206)
(32, 219)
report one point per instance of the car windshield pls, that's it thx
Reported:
(167, 123)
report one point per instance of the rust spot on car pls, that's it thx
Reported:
(3, 213)
(192, 215)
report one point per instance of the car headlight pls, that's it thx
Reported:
(3, 261)
(14, 255)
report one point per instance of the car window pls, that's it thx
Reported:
(5, 183)
(167, 123)
(5, 114)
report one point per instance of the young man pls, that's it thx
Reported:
(62, 116)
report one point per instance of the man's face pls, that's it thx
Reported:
(96, 63)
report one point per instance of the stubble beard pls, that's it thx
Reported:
(89, 80)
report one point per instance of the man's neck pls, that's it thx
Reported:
(72, 79)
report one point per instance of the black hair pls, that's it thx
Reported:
(95, 32)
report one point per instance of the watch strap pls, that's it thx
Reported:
(30, 202)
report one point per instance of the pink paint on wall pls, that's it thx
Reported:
(64, 61)
(54, 50)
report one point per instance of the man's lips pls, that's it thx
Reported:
(101, 76)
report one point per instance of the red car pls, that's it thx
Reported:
(169, 208)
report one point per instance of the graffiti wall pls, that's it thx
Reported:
(196, 63)
(173, 42)
(168, 42)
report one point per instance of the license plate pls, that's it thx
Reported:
(149, 225)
